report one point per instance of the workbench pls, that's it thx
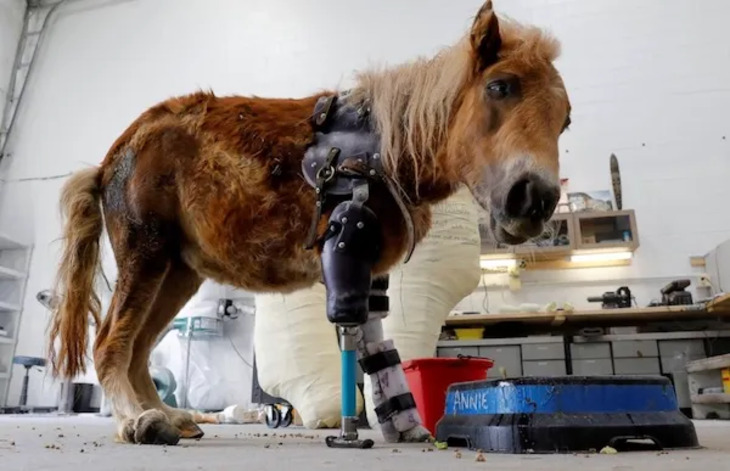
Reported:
(581, 342)
(717, 310)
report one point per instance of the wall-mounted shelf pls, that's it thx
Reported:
(7, 307)
(7, 243)
(14, 263)
(10, 274)
(571, 234)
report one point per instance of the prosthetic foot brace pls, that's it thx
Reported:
(394, 404)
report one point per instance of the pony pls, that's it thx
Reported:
(201, 186)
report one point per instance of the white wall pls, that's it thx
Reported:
(11, 26)
(648, 81)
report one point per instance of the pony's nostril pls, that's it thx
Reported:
(517, 198)
(533, 198)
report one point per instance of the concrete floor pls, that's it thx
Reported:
(84, 443)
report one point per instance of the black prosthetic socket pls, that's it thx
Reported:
(352, 246)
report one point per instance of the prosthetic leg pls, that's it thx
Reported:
(352, 245)
(351, 248)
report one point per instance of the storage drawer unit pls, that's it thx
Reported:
(453, 352)
(599, 367)
(543, 351)
(636, 366)
(544, 368)
(675, 354)
(591, 351)
(507, 357)
(635, 349)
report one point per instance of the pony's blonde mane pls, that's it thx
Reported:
(412, 103)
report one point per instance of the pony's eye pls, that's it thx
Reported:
(498, 89)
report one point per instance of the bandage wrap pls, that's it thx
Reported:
(394, 403)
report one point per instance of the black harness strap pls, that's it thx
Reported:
(345, 156)
(324, 175)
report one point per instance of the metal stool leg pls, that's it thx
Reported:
(24, 391)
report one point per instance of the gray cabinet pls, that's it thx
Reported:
(543, 351)
(636, 366)
(508, 358)
(598, 367)
(544, 368)
(635, 349)
(675, 354)
(590, 351)
(453, 352)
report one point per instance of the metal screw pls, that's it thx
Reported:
(317, 190)
(344, 220)
(314, 164)
(341, 245)
(360, 225)
(376, 156)
(319, 203)
(372, 172)
(322, 116)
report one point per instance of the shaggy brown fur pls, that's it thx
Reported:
(201, 186)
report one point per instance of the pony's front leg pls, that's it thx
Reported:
(394, 404)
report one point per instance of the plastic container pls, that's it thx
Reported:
(469, 333)
(430, 378)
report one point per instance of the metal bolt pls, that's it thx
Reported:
(317, 190)
(372, 172)
(319, 203)
(344, 220)
(360, 225)
(322, 116)
(376, 156)
(341, 245)
(314, 164)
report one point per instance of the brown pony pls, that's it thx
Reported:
(201, 186)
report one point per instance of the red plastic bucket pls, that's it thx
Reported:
(430, 378)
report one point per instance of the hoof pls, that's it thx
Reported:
(191, 430)
(126, 433)
(418, 434)
(154, 428)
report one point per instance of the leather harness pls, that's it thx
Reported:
(344, 159)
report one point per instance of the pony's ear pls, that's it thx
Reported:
(485, 38)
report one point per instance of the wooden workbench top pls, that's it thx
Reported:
(717, 308)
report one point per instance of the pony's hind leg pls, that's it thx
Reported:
(141, 275)
(179, 285)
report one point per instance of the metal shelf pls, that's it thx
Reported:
(7, 307)
(9, 273)
(6, 243)
(711, 399)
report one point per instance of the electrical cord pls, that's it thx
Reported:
(238, 352)
(485, 300)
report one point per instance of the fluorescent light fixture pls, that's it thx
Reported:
(601, 257)
(494, 264)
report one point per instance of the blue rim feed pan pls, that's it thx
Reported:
(565, 415)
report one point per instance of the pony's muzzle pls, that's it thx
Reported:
(528, 204)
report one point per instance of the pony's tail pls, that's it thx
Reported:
(80, 207)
